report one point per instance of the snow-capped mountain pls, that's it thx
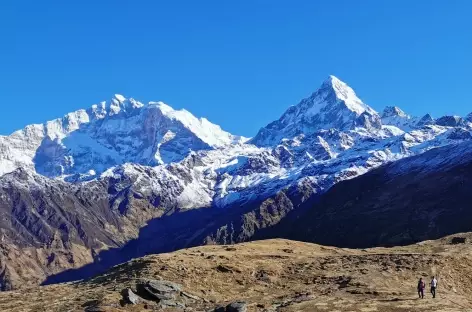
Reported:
(333, 106)
(328, 137)
(122, 163)
(88, 142)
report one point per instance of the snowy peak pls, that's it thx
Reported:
(208, 132)
(344, 93)
(118, 104)
(121, 130)
(333, 105)
(327, 137)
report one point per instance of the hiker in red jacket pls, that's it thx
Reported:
(421, 287)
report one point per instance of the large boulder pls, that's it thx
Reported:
(458, 240)
(237, 306)
(158, 290)
(131, 297)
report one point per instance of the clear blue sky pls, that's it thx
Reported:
(238, 63)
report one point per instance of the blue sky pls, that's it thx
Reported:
(238, 63)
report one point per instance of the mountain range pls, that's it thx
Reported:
(123, 179)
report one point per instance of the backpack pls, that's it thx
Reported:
(421, 285)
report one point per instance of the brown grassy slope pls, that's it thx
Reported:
(278, 275)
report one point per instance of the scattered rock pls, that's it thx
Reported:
(171, 304)
(157, 296)
(238, 306)
(167, 294)
(224, 269)
(92, 306)
(220, 309)
(94, 309)
(343, 281)
(158, 289)
(130, 297)
(190, 296)
(458, 240)
(355, 292)
(164, 286)
(262, 276)
(303, 297)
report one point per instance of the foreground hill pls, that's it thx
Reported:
(275, 275)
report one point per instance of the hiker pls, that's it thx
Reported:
(421, 286)
(434, 284)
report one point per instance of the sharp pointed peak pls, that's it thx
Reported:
(426, 120)
(343, 92)
(340, 88)
(334, 81)
(427, 116)
(333, 78)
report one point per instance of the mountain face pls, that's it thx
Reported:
(88, 142)
(333, 106)
(414, 199)
(123, 178)
(394, 116)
